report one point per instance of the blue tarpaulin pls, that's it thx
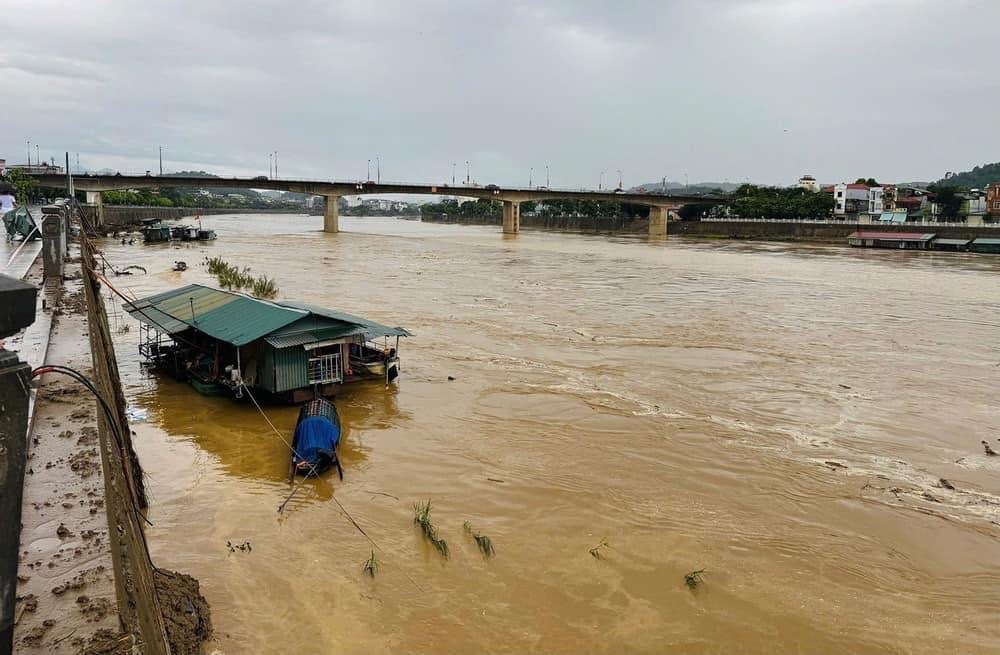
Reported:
(315, 436)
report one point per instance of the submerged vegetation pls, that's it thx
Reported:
(371, 566)
(484, 542)
(422, 517)
(239, 279)
(596, 550)
(693, 579)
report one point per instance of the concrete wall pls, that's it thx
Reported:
(620, 225)
(832, 232)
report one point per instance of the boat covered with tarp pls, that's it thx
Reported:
(20, 223)
(317, 435)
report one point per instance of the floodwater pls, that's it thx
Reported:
(777, 415)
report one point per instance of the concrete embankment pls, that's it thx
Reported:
(617, 225)
(85, 579)
(749, 230)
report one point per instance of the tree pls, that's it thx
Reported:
(948, 199)
(694, 210)
(26, 188)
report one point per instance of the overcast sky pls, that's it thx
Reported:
(764, 90)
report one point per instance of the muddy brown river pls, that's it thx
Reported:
(779, 416)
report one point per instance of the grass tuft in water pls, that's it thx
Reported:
(236, 279)
(596, 550)
(693, 579)
(422, 517)
(371, 566)
(484, 542)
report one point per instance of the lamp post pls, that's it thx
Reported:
(619, 178)
(161, 161)
(378, 170)
(530, 171)
(453, 173)
(38, 155)
(276, 164)
(29, 153)
(468, 173)
(270, 164)
(369, 176)
(600, 184)
(546, 176)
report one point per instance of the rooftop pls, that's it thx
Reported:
(892, 236)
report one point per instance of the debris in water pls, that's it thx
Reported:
(693, 579)
(928, 496)
(422, 517)
(843, 386)
(596, 550)
(945, 484)
(371, 566)
(484, 542)
(243, 547)
(989, 451)
(496, 480)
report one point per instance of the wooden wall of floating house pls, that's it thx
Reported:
(265, 371)
(291, 368)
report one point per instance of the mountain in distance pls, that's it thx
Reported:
(978, 178)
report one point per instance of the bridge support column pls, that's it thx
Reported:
(331, 214)
(511, 216)
(657, 222)
(94, 198)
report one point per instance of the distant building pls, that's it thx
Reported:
(993, 200)
(850, 199)
(44, 168)
(809, 183)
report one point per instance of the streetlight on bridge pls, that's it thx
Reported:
(600, 183)
(270, 164)
(453, 173)
(530, 172)
(619, 178)
(378, 170)
(546, 176)
(369, 176)
(29, 152)
(468, 173)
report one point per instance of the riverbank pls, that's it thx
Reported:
(81, 585)
(122, 216)
(835, 233)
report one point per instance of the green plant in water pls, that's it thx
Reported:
(596, 550)
(484, 542)
(264, 287)
(693, 579)
(422, 517)
(371, 566)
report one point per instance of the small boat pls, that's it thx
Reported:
(207, 388)
(180, 266)
(317, 435)
(206, 235)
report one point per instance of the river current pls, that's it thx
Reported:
(780, 416)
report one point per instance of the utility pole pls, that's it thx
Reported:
(69, 179)
(453, 173)
(270, 164)
(600, 184)
(664, 184)
(77, 162)
(275, 164)
(546, 176)
(530, 171)
(369, 176)
(38, 155)
(378, 170)
(619, 178)
(29, 153)
(161, 161)
(468, 173)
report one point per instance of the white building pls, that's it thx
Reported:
(809, 183)
(875, 199)
(851, 198)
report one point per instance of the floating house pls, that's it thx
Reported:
(901, 240)
(224, 342)
(986, 245)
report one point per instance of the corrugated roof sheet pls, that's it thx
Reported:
(223, 315)
(987, 241)
(239, 319)
(952, 242)
(371, 328)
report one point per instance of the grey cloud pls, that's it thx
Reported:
(761, 89)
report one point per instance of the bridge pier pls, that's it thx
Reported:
(94, 198)
(331, 214)
(511, 216)
(658, 222)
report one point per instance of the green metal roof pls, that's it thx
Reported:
(983, 241)
(223, 315)
(239, 319)
(370, 328)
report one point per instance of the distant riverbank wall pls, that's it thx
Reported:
(603, 225)
(122, 216)
(748, 230)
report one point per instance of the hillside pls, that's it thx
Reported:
(978, 178)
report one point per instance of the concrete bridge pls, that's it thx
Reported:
(511, 197)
